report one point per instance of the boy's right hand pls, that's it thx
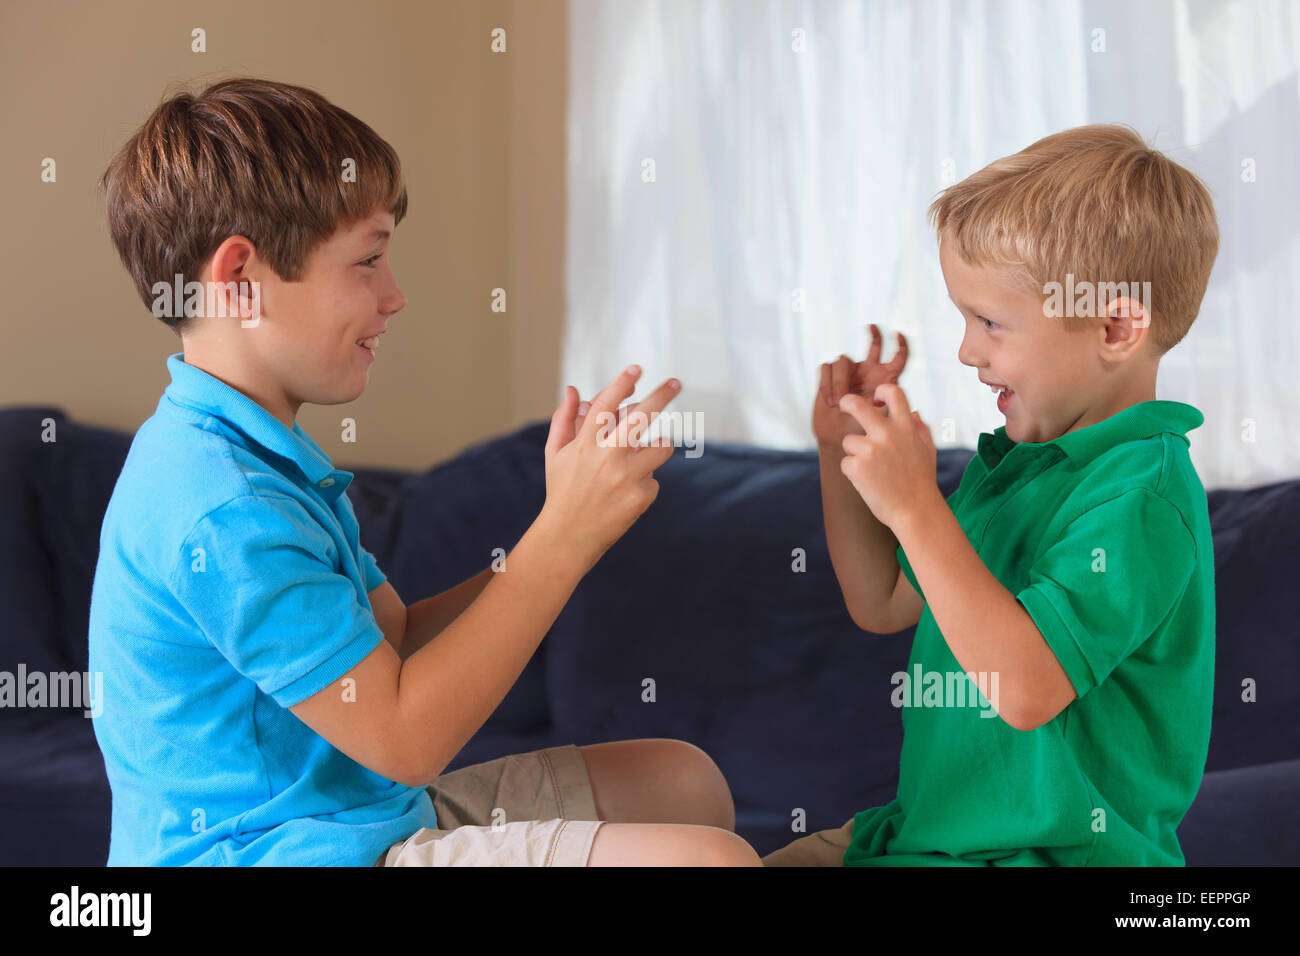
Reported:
(844, 376)
(598, 475)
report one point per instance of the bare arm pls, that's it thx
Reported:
(426, 619)
(406, 720)
(446, 690)
(408, 629)
(862, 549)
(985, 627)
(902, 610)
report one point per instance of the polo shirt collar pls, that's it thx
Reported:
(196, 389)
(1143, 420)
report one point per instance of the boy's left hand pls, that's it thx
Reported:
(893, 465)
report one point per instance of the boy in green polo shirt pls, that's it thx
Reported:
(1066, 589)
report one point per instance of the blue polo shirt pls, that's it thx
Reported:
(231, 584)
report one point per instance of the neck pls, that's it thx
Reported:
(243, 376)
(1141, 389)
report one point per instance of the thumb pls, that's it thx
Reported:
(562, 429)
(929, 438)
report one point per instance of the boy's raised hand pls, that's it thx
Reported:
(892, 460)
(598, 474)
(568, 430)
(845, 377)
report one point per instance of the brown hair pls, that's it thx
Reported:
(1097, 203)
(247, 157)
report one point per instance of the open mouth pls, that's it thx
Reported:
(1004, 394)
(368, 345)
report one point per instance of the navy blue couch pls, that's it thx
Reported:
(757, 664)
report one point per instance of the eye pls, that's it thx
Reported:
(990, 326)
(370, 263)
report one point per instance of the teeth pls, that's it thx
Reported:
(369, 343)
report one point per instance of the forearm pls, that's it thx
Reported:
(448, 688)
(426, 619)
(985, 627)
(861, 548)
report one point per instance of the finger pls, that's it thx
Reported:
(562, 425)
(841, 373)
(824, 386)
(862, 412)
(583, 408)
(925, 429)
(895, 400)
(610, 397)
(654, 454)
(896, 364)
(855, 444)
(652, 487)
(873, 349)
(649, 408)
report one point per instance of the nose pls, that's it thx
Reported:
(395, 301)
(965, 354)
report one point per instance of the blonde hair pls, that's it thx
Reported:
(245, 157)
(1096, 203)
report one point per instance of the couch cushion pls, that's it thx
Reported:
(33, 587)
(1256, 553)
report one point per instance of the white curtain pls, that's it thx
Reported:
(748, 184)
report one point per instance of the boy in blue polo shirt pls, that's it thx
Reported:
(1056, 703)
(269, 699)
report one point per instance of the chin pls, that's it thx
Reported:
(341, 397)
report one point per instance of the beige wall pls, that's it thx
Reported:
(481, 136)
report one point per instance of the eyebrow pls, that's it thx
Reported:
(983, 313)
(379, 234)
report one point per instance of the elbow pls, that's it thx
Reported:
(1021, 716)
(415, 775)
(412, 760)
(863, 625)
(863, 621)
(419, 770)
(1016, 724)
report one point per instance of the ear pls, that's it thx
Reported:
(1127, 322)
(227, 269)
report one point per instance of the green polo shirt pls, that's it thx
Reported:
(1103, 536)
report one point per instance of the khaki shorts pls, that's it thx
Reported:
(531, 809)
(823, 848)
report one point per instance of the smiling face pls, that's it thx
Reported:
(303, 347)
(1059, 379)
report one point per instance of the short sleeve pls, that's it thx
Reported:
(370, 572)
(256, 577)
(1109, 581)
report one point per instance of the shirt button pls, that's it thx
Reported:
(326, 482)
